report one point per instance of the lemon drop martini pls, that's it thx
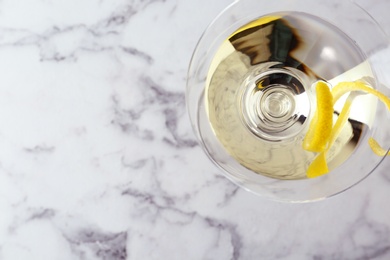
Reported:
(282, 99)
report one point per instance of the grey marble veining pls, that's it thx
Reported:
(98, 159)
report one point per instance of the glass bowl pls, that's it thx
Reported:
(342, 41)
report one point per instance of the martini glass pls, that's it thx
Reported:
(251, 96)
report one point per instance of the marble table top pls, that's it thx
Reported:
(98, 159)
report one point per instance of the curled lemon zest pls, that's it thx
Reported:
(344, 87)
(376, 148)
(321, 126)
(319, 165)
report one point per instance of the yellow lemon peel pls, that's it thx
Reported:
(344, 87)
(341, 121)
(319, 165)
(376, 148)
(321, 125)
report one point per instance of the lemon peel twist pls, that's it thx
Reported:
(344, 87)
(376, 148)
(319, 165)
(321, 125)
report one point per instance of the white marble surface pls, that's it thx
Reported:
(98, 160)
